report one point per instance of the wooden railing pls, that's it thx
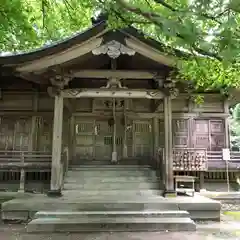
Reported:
(27, 159)
(24, 158)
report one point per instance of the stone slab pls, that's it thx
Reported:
(107, 214)
(111, 224)
(199, 208)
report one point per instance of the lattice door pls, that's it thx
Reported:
(104, 141)
(217, 138)
(84, 133)
(209, 134)
(201, 136)
(142, 131)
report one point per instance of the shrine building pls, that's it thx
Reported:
(108, 97)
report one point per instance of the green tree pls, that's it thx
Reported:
(208, 30)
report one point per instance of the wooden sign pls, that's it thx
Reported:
(226, 154)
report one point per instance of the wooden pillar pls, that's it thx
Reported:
(56, 173)
(114, 151)
(125, 150)
(201, 180)
(168, 149)
(72, 138)
(156, 139)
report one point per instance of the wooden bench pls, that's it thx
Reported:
(180, 182)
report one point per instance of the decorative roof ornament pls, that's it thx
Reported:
(113, 49)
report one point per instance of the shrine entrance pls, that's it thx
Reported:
(95, 139)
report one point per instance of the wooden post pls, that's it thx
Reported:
(56, 173)
(168, 149)
(201, 180)
(22, 175)
(156, 139)
(114, 152)
(125, 150)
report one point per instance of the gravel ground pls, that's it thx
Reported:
(16, 232)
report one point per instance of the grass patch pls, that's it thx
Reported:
(234, 214)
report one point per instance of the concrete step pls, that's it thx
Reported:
(112, 185)
(107, 214)
(111, 224)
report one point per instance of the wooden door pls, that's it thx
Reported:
(209, 134)
(142, 138)
(217, 137)
(201, 134)
(103, 140)
(84, 139)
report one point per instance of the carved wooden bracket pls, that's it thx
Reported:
(114, 83)
(113, 49)
(170, 88)
(59, 77)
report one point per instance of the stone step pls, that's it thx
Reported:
(80, 204)
(109, 192)
(110, 167)
(107, 214)
(110, 224)
(112, 185)
(129, 179)
(102, 173)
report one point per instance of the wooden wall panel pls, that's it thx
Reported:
(16, 101)
(141, 105)
(15, 133)
(83, 105)
(180, 104)
(45, 131)
(180, 133)
(45, 103)
(211, 104)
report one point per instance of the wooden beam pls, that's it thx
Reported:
(122, 74)
(111, 93)
(59, 58)
(150, 52)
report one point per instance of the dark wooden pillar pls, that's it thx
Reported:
(56, 173)
(168, 148)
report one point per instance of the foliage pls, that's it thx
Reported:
(207, 28)
(235, 126)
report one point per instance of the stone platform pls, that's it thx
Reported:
(24, 209)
